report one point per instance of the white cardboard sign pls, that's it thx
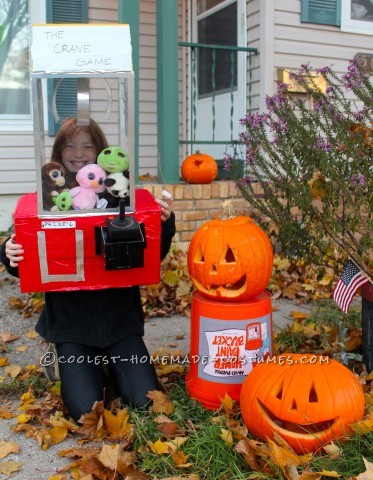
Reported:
(70, 48)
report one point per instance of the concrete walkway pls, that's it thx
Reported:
(171, 333)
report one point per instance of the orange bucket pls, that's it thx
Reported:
(225, 341)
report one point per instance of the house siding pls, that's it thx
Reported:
(273, 26)
(296, 43)
(253, 41)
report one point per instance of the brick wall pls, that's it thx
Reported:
(195, 204)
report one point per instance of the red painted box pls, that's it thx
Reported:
(61, 250)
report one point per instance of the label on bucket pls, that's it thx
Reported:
(229, 349)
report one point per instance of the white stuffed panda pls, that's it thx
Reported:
(117, 188)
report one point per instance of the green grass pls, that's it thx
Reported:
(350, 462)
(214, 459)
(211, 457)
(15, 387)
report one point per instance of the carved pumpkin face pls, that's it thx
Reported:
(230, 260)
(308, 400)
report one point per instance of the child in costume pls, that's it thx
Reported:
(94, 327)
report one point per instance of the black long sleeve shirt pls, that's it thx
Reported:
(94, 317)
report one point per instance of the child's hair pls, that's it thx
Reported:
(69, 128)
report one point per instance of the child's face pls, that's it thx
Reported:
(79, 151)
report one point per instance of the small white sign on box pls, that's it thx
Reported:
(79, 48)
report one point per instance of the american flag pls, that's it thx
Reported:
(351, 279)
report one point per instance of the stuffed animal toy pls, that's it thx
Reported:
(114, 160)
(53, 182)
(91, 182)
(62, 201)
(118, 186)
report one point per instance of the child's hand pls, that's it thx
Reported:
(14, 251)
(165, 204)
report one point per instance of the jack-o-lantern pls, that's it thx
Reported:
(230, 260)
(199, 168)
(308, 400)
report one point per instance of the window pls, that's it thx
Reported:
(14, 58)
(357, 16)
(217, 69)
(16, 16)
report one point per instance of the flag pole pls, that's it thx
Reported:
(367, 325)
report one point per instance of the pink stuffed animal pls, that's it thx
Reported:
(91, 182)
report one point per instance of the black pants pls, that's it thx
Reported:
(82, 379)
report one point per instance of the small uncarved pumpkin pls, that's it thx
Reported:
(230, 260)
(308, 400)
(199, 168)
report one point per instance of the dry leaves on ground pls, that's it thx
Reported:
(291, 279)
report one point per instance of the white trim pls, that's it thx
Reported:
(210, 11)
(266, 50)
(354, 26)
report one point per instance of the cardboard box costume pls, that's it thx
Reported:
(97, 248)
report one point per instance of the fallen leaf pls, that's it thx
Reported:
(117, 425)
(368, 474)
(93, 423)
(5, 412)
(13, 370)
(8, 447)
(16, 302)
(27, 399)
(281, 263)
(227, 436)
(169, 429)
(353, 342)
(161, 402)
(176, 443)
(58, 434)
(227, 403)
(244, 448)
(59, 421)
(109, 455)
(299, 315)
(309, 476)
(23, 348)
(180, 459)
(291, 290)
(238, 428)
(171, 278)
(4, 361)
(9, 467)
(81, 452)
(282, 456)
(363, 426)
(328, 473)
(126, 461)
(158, 447)
(8, 337)
(24, 418)
(328, 277)
(332, 450)
(31, 334)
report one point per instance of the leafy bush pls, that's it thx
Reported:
(308, 170)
